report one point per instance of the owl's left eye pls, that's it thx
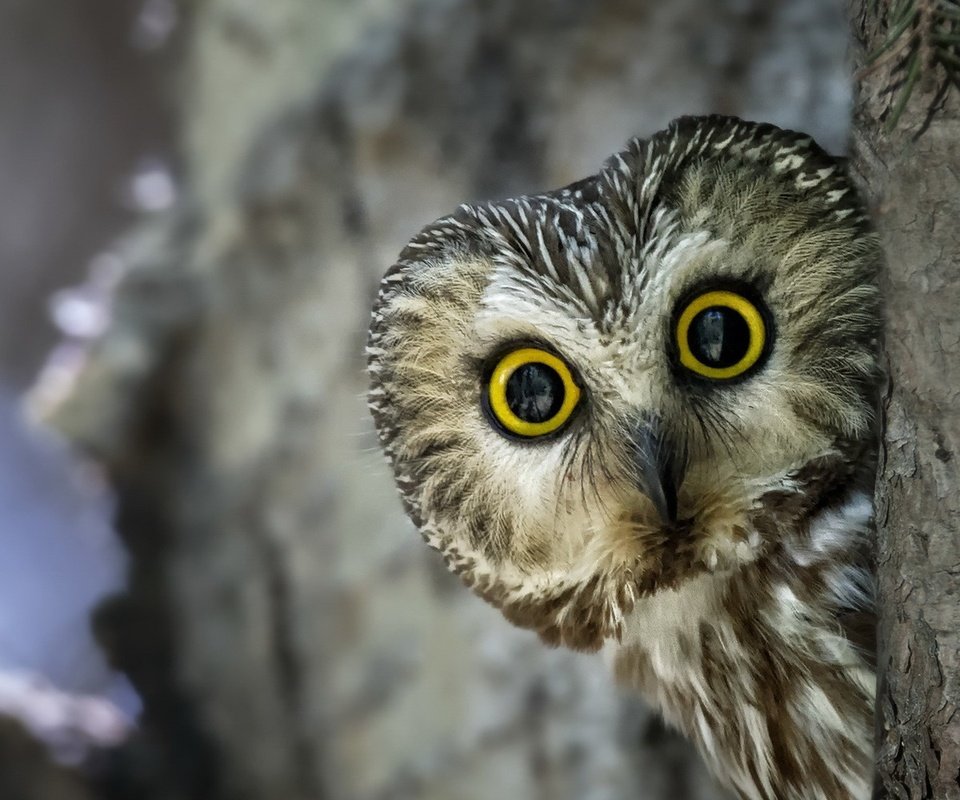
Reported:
(531, 393)
(720, 335)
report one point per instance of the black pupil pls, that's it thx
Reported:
(535, 392)
(719, 337)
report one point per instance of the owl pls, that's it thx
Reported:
(638, 414)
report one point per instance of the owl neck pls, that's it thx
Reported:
(763, 668)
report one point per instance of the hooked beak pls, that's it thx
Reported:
(657, 467)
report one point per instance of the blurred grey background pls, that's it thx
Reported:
(245, 171)
(83, 111)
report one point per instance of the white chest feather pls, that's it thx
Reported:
(755, 668)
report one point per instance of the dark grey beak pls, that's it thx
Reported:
(658, 466)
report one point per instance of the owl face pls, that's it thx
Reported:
(593, 395)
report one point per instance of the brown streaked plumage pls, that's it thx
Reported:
(713, 534)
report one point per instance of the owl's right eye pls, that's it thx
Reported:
(531, 393)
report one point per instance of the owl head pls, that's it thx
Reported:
(595, 394)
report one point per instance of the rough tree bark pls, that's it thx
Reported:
(289, 633)
(912, 176)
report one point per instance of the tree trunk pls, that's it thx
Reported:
(912, 176)
(289, 633)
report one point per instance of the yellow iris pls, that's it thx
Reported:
(534, 408)
(746, 349)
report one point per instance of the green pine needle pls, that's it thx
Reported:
(913, 72)
(922, 38)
